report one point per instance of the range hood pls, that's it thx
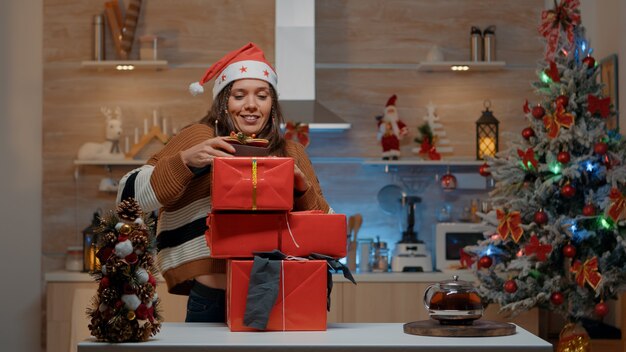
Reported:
(295, 62)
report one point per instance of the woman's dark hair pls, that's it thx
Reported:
(217, 118)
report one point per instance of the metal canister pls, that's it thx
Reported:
(476, 44)
(489, 43)
(98, 38)
(380, 257)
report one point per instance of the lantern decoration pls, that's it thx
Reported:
(90, 244)
(486, 134)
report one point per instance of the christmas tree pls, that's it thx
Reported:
(125, 308)
(560, 190)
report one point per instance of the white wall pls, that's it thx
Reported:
(21, 83)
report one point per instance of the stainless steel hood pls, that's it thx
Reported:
(295, 64)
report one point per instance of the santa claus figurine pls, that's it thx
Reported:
(391, 130)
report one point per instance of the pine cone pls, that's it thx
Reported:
(109, 296)
(129, 210)
(145, 293)
(110, 238)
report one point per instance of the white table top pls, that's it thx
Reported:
(175, 337)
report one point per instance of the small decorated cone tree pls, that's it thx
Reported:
(125, 308)
(560, 193)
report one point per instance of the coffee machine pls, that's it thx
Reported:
(410, 254)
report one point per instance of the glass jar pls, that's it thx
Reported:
(380, 257)
(74, 258)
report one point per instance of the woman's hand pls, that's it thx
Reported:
(202, 154)
(300, 182)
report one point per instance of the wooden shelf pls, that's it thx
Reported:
(114, 64)
(473, 66)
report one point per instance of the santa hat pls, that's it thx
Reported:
(245, 62)
(391, 101)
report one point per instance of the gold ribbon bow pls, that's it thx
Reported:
(510, 223)
(560, 118)
(587, 272)
(299, 130)
(564, 17)
(617, 206)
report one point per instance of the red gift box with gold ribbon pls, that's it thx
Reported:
(238, 235)
(301, 302)
(251, 184)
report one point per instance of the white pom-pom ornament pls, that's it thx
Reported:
(131, 301)
(139, 221)
(123, 249)
(142, 275)
(196, 88)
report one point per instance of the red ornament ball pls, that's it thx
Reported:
(589, 61)
(601, 148)
(541, 218)
(448, 182)
(510, 286)
(483, 170)
(562, 100)
(569, 250)
(601, 309)
(557, 298)
(563, 157)
(568, 191)
(538, 112)
(589, 210)
(527, 133)
(485, 261)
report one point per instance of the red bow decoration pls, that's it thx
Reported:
(601, 105)
(526, 108)
(565, 17)
(617, 206)
(528, 157)
(560, 118)
(510, 223)
(587, 272)
(299, 130)
(553, 72)
(540, 250)
(427, 148)
(466, 259)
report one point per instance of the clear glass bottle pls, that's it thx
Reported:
(380, 257)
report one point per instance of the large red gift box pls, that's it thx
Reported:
(249, 183)
(239, 235)
(301, 302)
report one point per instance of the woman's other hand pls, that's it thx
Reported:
(300, 182)
(202, 154)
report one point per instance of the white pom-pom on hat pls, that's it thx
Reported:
(124, 248)
(196, 88)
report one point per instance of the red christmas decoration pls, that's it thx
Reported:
(569, 250)
(510, 286)
(589, 61)
(568, 191)
(601, 309)
(448, 182)
(485, 262)
(557, 298)
(561, 118)
(617, 206)
(589, 210)
(562, 100)
(509, 223)
(587, 272)
(563, 18)
(527, 133)
(541, 218)
(538, 112)
(553, 72)
(528, 158)
(540, 250)
(600, 148)
(563, 157)
(484, 170)
(601, 106)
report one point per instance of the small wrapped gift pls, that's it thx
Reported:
(249, 183)
(301, 299)
(248, 146)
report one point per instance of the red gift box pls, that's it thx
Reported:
(238, 235)
(301, 302)
(249, 183)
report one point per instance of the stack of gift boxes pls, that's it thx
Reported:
(252, 199)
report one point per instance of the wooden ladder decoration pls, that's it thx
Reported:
(155, 132)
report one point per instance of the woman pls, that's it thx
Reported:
(177, 179)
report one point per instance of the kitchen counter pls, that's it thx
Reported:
(68, 276)
(176, 337)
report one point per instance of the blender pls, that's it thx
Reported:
(410, 254)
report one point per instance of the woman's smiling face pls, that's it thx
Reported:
(250, 105)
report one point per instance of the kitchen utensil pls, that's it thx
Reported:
(363, 252)
(358, 221)
(453, 302)
(380, 256)
(389, 199)
(351, 256)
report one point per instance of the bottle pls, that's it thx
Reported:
(74, 258)
(380, 257)
(489, 43)
(364, 250)
(476, 44)
(98, 37)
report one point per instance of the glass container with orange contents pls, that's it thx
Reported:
(453, 302)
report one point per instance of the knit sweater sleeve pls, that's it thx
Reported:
(312, 199)
(165, 176)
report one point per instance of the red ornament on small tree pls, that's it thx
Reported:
(568, 191)
(600, 148)
(484, 170)
(563, 157)
(557, 298)
(485, 261)
(601, 309)
(510, 286)
(589, 210)
(538, 112)
(541, 217)
(562, 100)
(569, 250)
(589, 61)
(527, 133)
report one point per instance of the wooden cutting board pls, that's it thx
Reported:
(478, 328)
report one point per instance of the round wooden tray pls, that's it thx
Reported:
(478, 328)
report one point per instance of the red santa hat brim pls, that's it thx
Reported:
(245, 62)
(391, 101)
